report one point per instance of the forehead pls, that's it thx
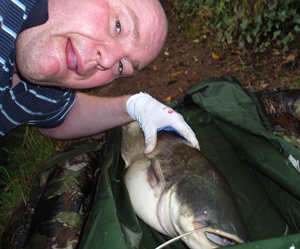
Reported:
(134, 20)
(150, 26)
(145, 21)
(144, 13)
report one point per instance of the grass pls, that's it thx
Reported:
(22, 152)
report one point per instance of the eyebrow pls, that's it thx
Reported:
(136, 35)
(135, 21)
(135, 67)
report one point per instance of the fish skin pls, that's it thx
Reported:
(176, 189)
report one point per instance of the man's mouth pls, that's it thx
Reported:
(71, 57)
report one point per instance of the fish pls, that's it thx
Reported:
(176, 189)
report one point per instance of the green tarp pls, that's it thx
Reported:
(234, 133)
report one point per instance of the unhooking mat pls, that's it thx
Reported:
(236, 135)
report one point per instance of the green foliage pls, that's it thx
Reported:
(250, 24)
(22, 152)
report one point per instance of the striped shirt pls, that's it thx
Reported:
(41, 106)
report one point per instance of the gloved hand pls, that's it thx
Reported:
(154, 116)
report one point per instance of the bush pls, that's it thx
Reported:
(251, 24)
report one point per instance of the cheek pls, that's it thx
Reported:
(100, 78)
(39, 61)
(94, 20)
(104, 77)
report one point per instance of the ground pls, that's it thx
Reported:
(182, 63)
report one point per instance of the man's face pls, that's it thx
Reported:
(89, 43)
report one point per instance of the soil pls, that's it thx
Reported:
(182, 63)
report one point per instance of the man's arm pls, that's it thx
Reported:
(91, 115)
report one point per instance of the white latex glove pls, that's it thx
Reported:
(154, 116)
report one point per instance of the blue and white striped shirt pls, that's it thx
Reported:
(41, 106)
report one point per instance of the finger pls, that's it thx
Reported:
(195, 142)
(188, 134)
(150, 140)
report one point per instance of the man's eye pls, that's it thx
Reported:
(120, 68)
(118, 26)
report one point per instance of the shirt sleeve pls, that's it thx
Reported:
(41, 106)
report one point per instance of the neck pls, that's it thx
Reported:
(15, 80)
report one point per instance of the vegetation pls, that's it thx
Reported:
(251, 24)
(22, 152)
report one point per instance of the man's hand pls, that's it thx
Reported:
(153, 116)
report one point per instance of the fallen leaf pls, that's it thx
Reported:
(264, 85)
(180, 89)
(168, 98)
(290, 58)
(215, 56)
(174, 74)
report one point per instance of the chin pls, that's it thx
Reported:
(40, 71)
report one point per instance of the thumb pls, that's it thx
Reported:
(150, 140)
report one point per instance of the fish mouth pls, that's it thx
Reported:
(221, 240)
(217, 237)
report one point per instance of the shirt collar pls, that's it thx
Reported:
(38, 15)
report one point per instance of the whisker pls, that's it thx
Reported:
(179, 237)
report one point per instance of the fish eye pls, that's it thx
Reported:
(120, 68)
(118, 26)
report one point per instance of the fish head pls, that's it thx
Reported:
(175, 209)
(187, 206)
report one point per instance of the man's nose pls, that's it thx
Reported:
(108, 55)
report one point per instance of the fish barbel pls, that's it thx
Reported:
(176, 189)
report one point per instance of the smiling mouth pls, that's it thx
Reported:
(71, 57)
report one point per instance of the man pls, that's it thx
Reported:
(73, 44)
